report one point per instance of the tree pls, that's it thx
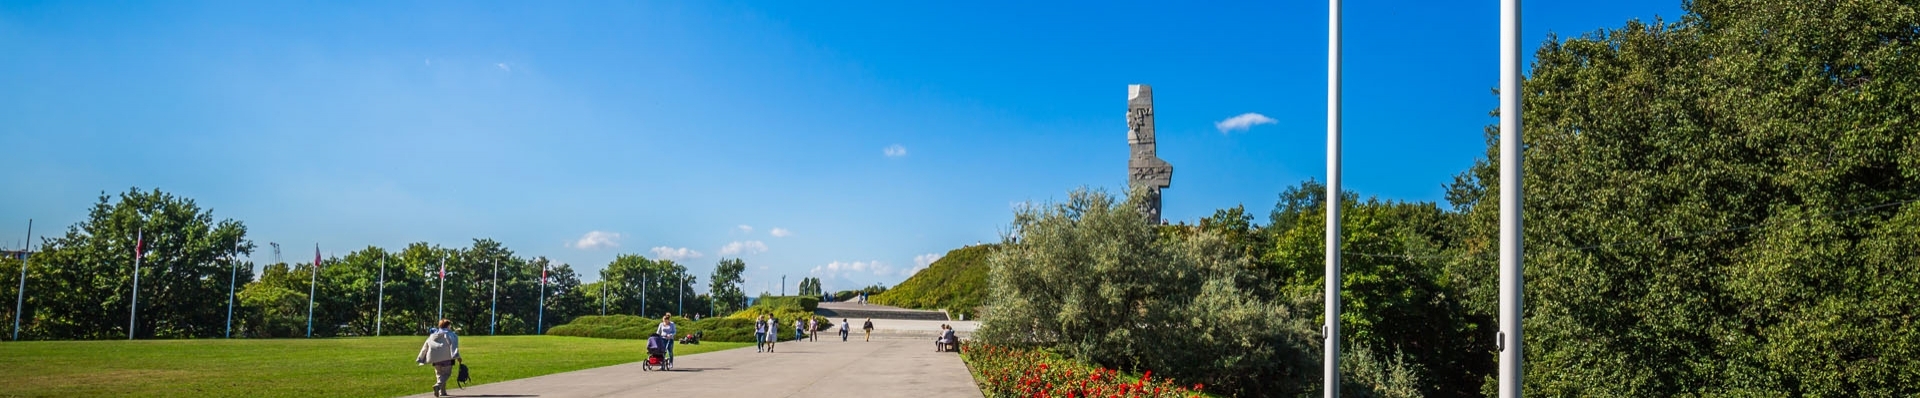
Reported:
(810, 286)
(644, 287)
(1718, 206)
(725, 285)
(1093, 279)
(82, 282)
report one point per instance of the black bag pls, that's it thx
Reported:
(463, 379)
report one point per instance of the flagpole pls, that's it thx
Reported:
(603, 297)
(441, 312)
(495, 323)
(233, 276)
(1512, 245)
(133, 311)
(380, 306)
(312, 284)
(1330, 373)
(683, 295)
(643, 295)
(26, 254)
(540, 325)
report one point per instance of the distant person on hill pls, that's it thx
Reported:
(844, 327)
(441, 349)
(797, 334)
(869, 328)
(760, 334)
(668, 330)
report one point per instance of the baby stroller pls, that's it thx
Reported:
(657, 354)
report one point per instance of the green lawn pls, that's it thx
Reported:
(340, 367)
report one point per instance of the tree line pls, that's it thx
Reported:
(1727, 204)
(80, 284)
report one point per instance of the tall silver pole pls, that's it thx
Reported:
(380, 303)
(312, 285)
(643, 295)
(603, 297)
(233, 276)
(1330, 376)
(20, 302)
(441, 312)
(683, 296)
(133, 311)
(540, 322)
(1511, 247)
(495, 323)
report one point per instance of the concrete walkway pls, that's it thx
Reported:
(894, 367)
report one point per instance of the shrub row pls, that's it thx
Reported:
(1011, 372)
(735, 328)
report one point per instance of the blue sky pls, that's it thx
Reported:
(872, 135)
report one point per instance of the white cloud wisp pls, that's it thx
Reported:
(1243, 122)
(747, 247)
(675, 254)
(895, 151)
(780, 232)
(597, 240)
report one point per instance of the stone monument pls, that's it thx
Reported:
(1144, 168)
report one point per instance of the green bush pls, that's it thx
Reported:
(803, 303)
(617, 327)
(1092, 280)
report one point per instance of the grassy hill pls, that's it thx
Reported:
(956, 283)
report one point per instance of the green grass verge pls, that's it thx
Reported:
(338, 367)
(956, 283)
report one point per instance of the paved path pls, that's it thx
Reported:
(893, 367)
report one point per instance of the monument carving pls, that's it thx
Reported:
(1144, 167)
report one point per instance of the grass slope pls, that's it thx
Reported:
(339, 367)
(956, 283)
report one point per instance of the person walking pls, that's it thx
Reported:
(442, 349)
(772, 331)
(813, 329)
(844, 327)
(760, 334)
(797, 334)
(667, 329)
(869, 329)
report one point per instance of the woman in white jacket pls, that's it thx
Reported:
(442, 349)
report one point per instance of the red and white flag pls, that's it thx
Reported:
(316, 256)
(443, 270)
(543, 274)
(139, 245)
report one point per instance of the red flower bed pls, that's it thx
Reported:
(1008, 372)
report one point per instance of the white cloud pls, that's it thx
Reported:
(597, 240)
(745, 228)
(926, 259)
(841, 269)
(1243, 122)
(747, 247)
(503, 66)
(780, 232)
(921, 262)
(896, 151)
(675, 254)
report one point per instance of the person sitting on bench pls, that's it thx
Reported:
(947, 340)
